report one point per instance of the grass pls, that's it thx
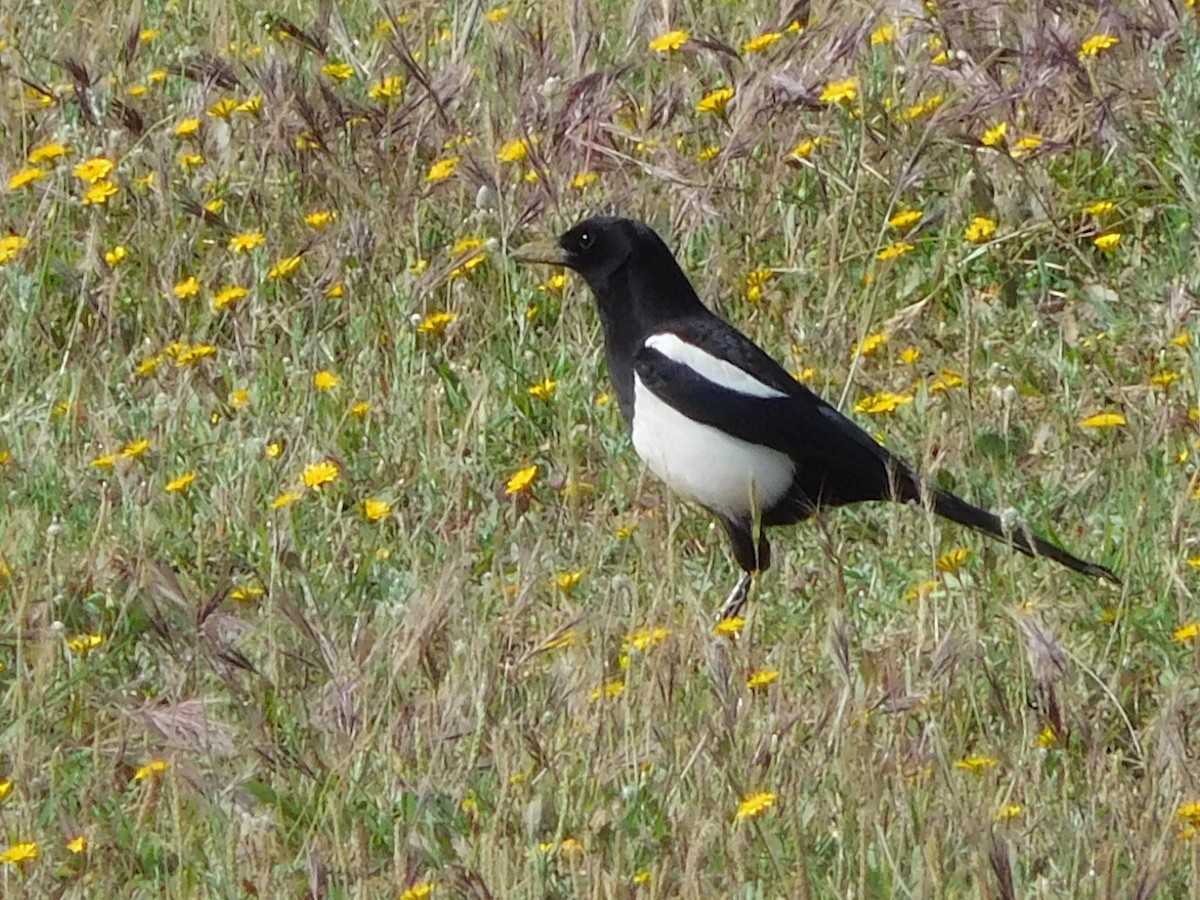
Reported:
(500, 680)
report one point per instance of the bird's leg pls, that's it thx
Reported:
(737, 598)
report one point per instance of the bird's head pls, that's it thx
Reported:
(599, 248)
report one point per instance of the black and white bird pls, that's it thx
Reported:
(722, 423)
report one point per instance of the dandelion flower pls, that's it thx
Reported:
(223, 108)
(884, 34)
(318, 219)
(25, 177)
(905, 219)
(181, 484)
(436, 323)
(374, 510)
(670, 41)
(191, 160)
(338, 71)
(418, 891)
(99, 193)
(516, 150)
(229, 296)
(135, 449)
(1097, 44)
(77, 845)
(1099, 208)
(1186, 632)
(19, 854)
(47, 153)
(884, 402)
(976, 764)
(1104, 420)
(715, 101)
(442, 169)
(193, 353)
(497, 15)
(643, 639)
(1107, 241)
(762, 42)
(521, 481)
(187, 127)
(188, 287)
(844, 91)
(909, 355)
(319, 474)
(761, 678)
(326, 380)
(285, 499)
(387, 88)
(995, 136)
(1009, 812)
(609, 690)
(980, 229)
(153, 769)
(953, 560)
(894, 251)
(247, 241)
(10, 246)
(116, 256)
(730, 627)
(870, 345)
(567, 581)
(754, 805)
(285, 268)
(85, 643)
(95, 169)
(543, 390)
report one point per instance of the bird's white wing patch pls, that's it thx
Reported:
(719, 371)
(703, 463)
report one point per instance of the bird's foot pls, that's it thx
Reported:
(736, 600)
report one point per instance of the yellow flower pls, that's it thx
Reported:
(152, 769)
(1026, 144)
(320, 218)
(910, 355)
(193, 353)
(246, 593)
(135, 449)
(1186, 632)
(497, 15)
(840, 91)
(893, 251)
(762, 42)
(386, 88)
(285, 268)
(319, 474)
(760, 678)
(187, 127)
(521, 480)
(418, 891)
(919, 591)
(609, 690)
(583, 180)
(980, 229)
(191, 160)
(883, 402)
(884, 34)
(223, 108)
(325, 380)
(512, 151)
(181, 484)
(246, 241)
(374, 510)
(952, 560)
(754, 805)
(1047, 737)
(24, 177)
(338, 71)
(543, 390)
(642, 877)
(1107, 241)
(105, 461)
(19, 854)
(948, 380)
(95, 169)
(115, 256)
(360, 409)
(158, 76)
(1010, 812)
(1099, 208)
(85, 642)
(1097, 44)
(436, 323)
(995, 136)
(146, 35)
(670, 41)
(715, 101)
(976, 764)
(229, 296)
(730, 627)
(10, 246)
(1189, 813)
(78, 844)
(442, 169)
(99, 193)
(251, 105)
(188, 287)
(642, 639)
(870, 345)
(287, 498)
(1104, 420)
(335, 290)
(47, 153)
(566, 581)
(1164, 379)
(904, 219)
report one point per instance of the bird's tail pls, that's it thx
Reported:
(958, 510)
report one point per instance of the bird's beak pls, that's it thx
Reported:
(546, 252)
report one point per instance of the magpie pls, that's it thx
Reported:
(723, 424)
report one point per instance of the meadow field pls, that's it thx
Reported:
(327, 568)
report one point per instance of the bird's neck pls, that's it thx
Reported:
(634, 303)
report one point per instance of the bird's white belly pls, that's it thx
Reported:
(703, 463)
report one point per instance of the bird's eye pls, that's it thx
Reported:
(585, 240)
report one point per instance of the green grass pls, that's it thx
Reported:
(357, 708)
